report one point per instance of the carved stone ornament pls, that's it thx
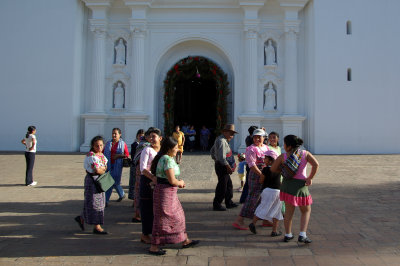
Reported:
(269, 53)
(119, 96)
(120, 52)
(270, 97)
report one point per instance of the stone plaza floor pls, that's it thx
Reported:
(355, 217)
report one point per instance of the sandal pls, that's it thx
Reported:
(159, 252)
(273, 234)
(237, 226)
(191, 244)
(78, 219)
(252, 228)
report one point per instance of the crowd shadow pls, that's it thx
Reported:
(37, 229)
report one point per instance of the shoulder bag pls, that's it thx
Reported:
(104, 182)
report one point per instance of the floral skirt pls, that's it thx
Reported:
(169, 226)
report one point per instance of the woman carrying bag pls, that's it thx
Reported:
(95, 165)
(294, 189)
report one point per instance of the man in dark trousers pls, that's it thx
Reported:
(225, 165)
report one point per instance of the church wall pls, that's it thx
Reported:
(40, 72)
(361, 115)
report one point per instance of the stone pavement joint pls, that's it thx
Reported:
(354, 218)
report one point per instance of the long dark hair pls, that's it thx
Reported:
(139, 132)
(30, 130)
(94, 140)
(166, 144)
(276, 134)
(293, 141)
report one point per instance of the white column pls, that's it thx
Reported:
(291, 75)
(250, 71)
(98, 27)
(137, 67)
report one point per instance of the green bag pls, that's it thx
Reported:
(104, 182)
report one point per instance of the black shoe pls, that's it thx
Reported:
(288, 238)
(159, 252)
(106, 204)
(252, 228)
(136, 220)
(219, 208)
(303, 239)
(79, 221)
(191, 244)
(273, 234)
(231, 205)
(120, 199)
(97, 232)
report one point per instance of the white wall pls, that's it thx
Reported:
(40, 71)
(360, 116)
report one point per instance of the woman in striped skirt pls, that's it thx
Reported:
(169, 226)
(255, 160)
(94, 202)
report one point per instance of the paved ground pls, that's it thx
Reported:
(355, 218)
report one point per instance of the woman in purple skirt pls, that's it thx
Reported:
(94, 202)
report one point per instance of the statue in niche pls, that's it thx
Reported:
(270, 54)
(120, 53)
(119, 96)
(270, 98)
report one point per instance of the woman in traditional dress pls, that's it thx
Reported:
(132, 172)
(30, 143)
(94, 202)
(179, 136)
(144, 142)
(147, 181)
(169, 225)
(294, 189)
(115, 151)
(255, 154)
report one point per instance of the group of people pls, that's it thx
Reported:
(190, 134)
(154, 182)
(275, 182)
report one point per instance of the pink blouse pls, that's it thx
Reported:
(302, 170)
(255, 155)
(146, 158)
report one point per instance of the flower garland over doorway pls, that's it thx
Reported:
(189, 68)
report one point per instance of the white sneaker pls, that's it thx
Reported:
(34, 183)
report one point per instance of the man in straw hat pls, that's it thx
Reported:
(221, 153)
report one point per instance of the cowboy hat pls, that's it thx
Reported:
(230, 127)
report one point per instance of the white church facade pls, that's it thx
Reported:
(327, 71)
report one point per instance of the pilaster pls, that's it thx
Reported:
(250, 27)
(138, 28)
(99, 30)
(292, 121)
(95, 118)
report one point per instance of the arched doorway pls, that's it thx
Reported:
(195, 102)
(196, 92)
